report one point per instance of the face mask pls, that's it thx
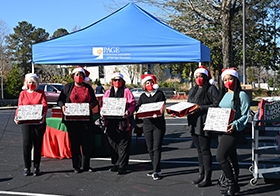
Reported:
(229, 85)
(78, 79)
(150, 87)
(117, 84)
(32, 86)
(199, 81)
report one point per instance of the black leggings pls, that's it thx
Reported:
(226, 152)
(154, 138)
(32, 135)
(202, 144)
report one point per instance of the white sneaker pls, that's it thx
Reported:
(155, 176)
(151, 173)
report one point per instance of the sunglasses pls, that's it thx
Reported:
(116, 80)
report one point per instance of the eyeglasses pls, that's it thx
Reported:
(79, 74)
(116, 80)
(148, 82)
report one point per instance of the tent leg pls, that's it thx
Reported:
(33, 68)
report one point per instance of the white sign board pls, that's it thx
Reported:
(29, 112)
(77, 109)
(113, 107)
(218, 119)
(180, 106)
(148, 110)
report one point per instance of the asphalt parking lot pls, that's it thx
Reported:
(179, 167)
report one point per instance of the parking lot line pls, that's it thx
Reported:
(25, 193)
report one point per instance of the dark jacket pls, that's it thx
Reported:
(64, 96)
(157, 97)
(196, 121)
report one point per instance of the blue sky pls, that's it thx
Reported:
(53, 14)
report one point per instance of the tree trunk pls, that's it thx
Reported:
(226, 37)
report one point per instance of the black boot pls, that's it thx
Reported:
(233, 187)
(230, 190)
(200, 176)
(206, 180)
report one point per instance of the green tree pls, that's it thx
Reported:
(218, 25)
(261, 35)
(59, 32)
(14, 81)
(3, 55)
(202, 18)
(19, 44)
(251, 75)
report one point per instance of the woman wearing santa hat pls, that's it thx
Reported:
(32, 134)
(119, 130)
(204, 95)
(232, 97)
(79, 132)
(153, 128)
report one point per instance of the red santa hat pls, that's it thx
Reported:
(230, 71)
(145, 77)
(26, 77)
(30, 75)
(78, 69)
(84, 71)
(202, 69)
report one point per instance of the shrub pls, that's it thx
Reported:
(14, 82)
(170, 83)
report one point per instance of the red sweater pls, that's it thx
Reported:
(36, 97)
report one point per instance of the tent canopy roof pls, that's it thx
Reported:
(128, 36)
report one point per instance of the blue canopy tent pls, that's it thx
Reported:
(128, 36)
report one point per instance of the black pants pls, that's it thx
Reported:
(154, 136)
(202, 144)
(226, 153)
(79, 133)
(120, 142)
(32, 135)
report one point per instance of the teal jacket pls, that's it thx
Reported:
(242, 114)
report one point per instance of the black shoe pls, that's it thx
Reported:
(204, 183)
(155, 176)
(36, 172)
(231, 190)
(121, 171)
(199, 179)
(151, 173)
(114, 169)
(26, 172)
(77, 170)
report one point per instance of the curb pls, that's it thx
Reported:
(8, 108)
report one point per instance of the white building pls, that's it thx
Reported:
(131, 73)
(264, 86)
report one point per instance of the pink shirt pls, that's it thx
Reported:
(129, 99)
